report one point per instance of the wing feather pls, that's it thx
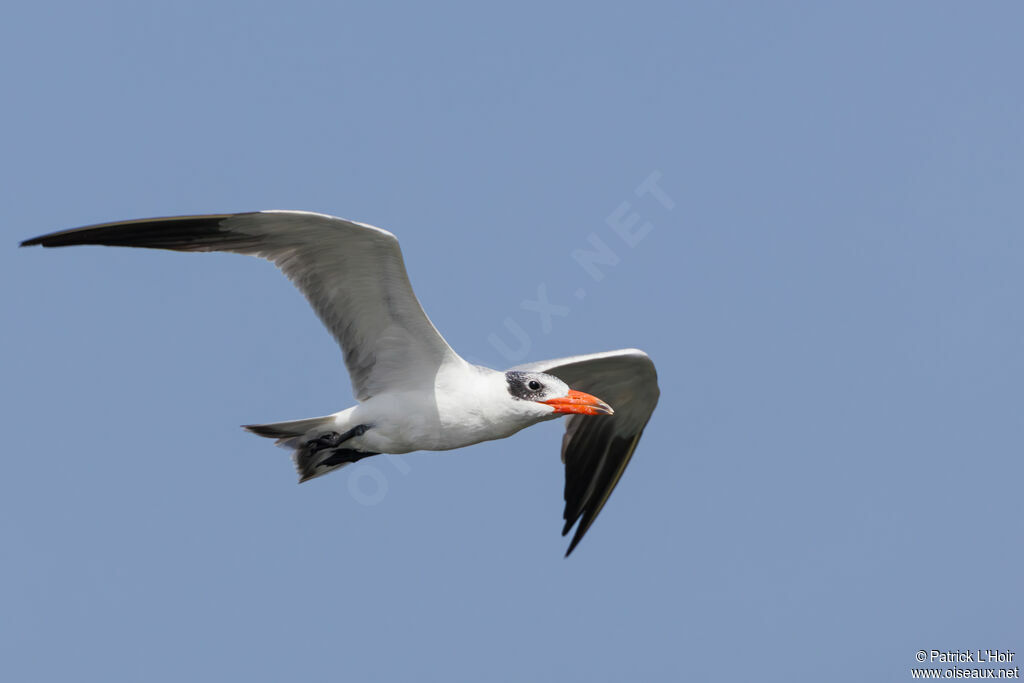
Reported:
(596, 450)
(352, 274)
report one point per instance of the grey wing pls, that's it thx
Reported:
(352, 274)
(596, 450)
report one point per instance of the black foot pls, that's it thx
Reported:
(328, 440)
(342, 456)
(334, 439)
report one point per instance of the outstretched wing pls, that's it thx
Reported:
(596, 450)
(351, 273)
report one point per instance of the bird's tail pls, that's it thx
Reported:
(316, 444)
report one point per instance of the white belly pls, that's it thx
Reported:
(400, 424)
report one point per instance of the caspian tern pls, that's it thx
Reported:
(414, 391)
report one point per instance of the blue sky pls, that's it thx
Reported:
(832, 295)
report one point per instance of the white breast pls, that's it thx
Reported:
(469, 404)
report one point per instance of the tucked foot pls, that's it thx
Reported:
(334, 439)
(326, 452)
(328, 440)
(311, 465)
(343, 456)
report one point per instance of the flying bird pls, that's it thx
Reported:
(414, 392)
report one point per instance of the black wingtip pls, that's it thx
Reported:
(177, 233)
(53, 239)
(576, 538)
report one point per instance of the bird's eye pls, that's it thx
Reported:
(534, 385)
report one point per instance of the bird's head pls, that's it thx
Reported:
(547, 396)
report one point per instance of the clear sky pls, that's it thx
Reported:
(830, 286)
